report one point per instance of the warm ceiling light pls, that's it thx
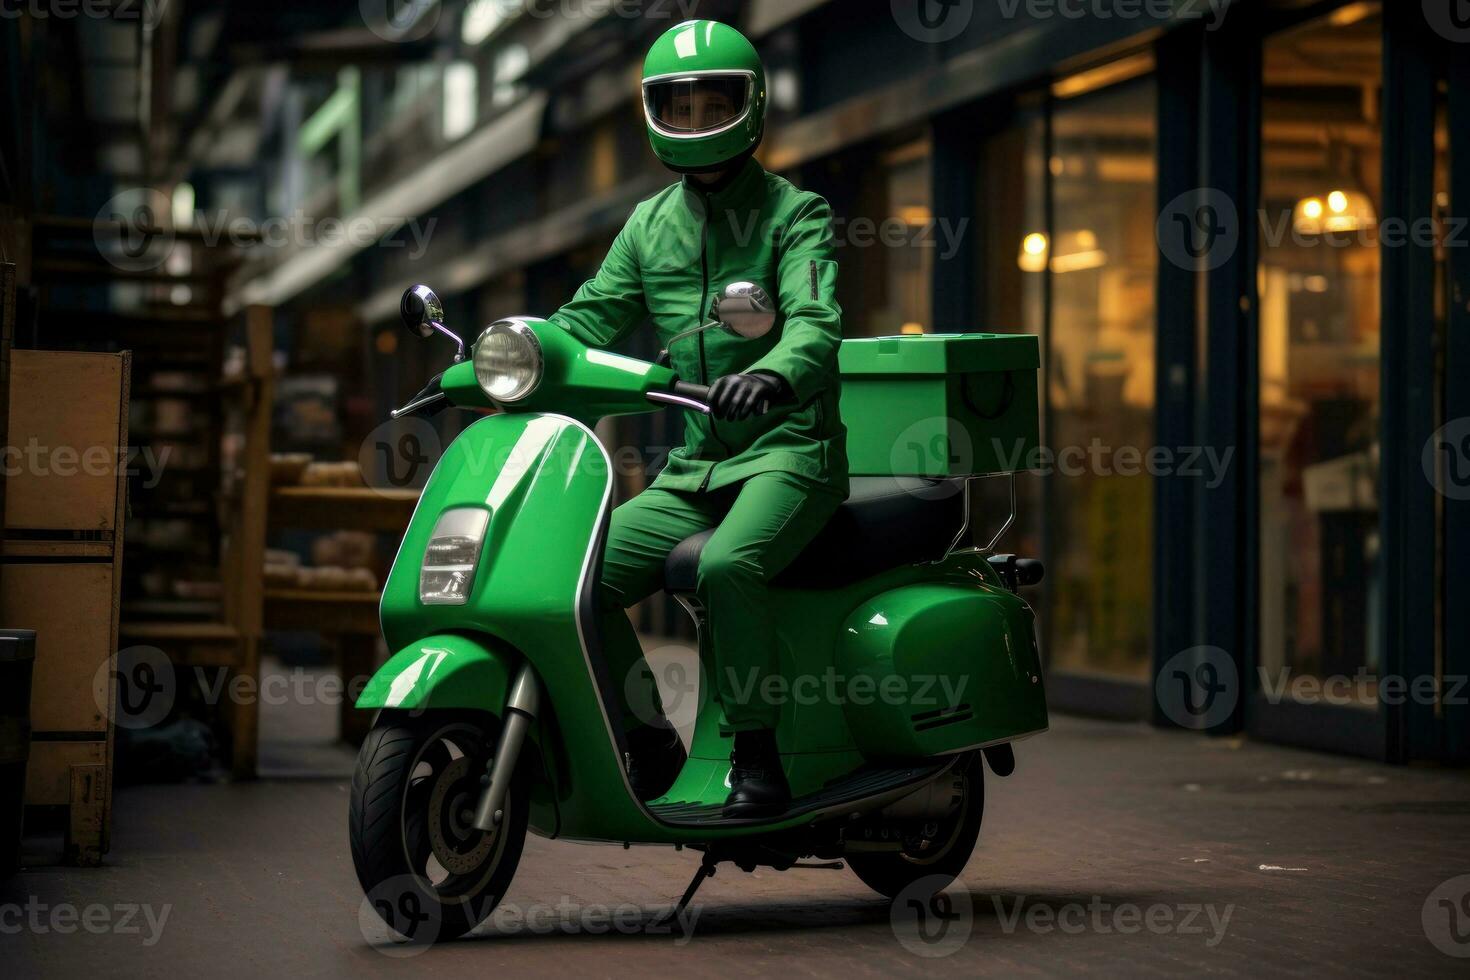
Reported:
(1344, 211)
(1033, 252)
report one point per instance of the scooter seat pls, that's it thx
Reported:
(885, 522)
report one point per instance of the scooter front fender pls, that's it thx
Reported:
(450, 670)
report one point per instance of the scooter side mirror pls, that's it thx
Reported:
(421, 310)
(744, 309)
(423, 315)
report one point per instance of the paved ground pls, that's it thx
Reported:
(1114, 849)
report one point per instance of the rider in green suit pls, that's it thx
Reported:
(768, 466)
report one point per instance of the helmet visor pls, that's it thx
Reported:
(689, 105)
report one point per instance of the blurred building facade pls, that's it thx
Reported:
(1245, 375)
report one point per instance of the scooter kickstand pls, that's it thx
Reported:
(706, 870)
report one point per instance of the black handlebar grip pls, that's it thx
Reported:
(690, 390)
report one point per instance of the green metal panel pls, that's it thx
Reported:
(444, 671)
(955, 665)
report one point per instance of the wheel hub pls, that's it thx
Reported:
(458, 847)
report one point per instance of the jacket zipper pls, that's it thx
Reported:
(699, 319)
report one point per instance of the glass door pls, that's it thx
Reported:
(1319, 402)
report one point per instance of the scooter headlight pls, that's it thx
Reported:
(453, 553)
(508, 362)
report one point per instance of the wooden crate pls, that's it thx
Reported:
(62, 553)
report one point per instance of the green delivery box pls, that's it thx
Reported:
(940, 405)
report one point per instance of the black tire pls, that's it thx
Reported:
(890, 873)
(426, 873)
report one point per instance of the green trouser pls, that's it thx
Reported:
(764, 523)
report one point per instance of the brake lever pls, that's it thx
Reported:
(416, 405)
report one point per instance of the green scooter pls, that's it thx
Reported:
(496, 711)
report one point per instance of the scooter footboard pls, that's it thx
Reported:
(445, 671)
(949, 666)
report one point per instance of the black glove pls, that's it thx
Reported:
(739, 396)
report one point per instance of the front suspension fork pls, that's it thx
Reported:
(520, 711)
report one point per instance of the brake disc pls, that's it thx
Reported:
(452, 835)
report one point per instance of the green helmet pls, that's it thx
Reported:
(704, 96)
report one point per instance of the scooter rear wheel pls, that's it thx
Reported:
(426, 871)
(927, 871)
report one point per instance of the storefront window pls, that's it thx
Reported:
(1100, 256)
(910, 262)
(1321, 194)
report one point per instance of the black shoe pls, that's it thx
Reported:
(757, 784)
(653, 760)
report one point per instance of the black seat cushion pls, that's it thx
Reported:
(886, 521)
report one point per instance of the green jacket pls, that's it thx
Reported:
(670, 261)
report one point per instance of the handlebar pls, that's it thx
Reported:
(692, 396)
(691, 390)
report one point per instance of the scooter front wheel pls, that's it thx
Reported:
(931, 862)
(425, 869)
